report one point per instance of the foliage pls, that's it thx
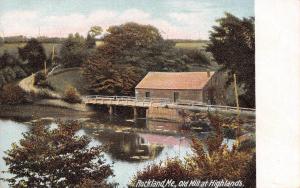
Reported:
(8, 60)
(40, 80)
(73, 51)
(71, 95)
(130, 50)
(211, 160)
(55, 158)
(195, 56)
(34, 53)
(93, 32)
(12, 94)
(233, 46)
(10, 69)
(141, 46)
(107, 78)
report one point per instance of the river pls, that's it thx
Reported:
(133, 145)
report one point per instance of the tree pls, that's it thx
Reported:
(232, 44)
(73, 51)
(107, 78)
(56, 158)
(92, 34)
(34, 53)
(129, 52)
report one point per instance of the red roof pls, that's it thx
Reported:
(175, 80)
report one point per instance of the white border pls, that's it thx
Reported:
(278, 93)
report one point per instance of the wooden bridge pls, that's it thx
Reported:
(135, 103)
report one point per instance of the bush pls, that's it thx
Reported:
(20, 73)
(45, 94)
(40, 80)
(71, 95)
(211, 160)
(12, 94)
(2, 79)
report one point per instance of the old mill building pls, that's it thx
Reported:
(180, 86)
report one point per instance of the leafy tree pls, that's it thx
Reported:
(233, 46)
(56, 158)
(107, 78)
(73, 51)
(141, 46)
(92, 34)
(195, 56)
(95, 31)
(129, 51)
(8, 60)
(34, 53)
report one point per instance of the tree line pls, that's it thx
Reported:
(131, 50)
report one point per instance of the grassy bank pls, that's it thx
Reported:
(40, 111)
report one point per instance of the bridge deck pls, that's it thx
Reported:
(162, 102)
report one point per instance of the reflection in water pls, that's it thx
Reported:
(126, 146)
(129, 151)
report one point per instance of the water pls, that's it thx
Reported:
(133, 145)
(129, 151)
(10, 132)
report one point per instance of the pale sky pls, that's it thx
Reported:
(182, 19)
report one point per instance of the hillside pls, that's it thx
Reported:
(63, 78)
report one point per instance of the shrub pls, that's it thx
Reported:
(12, 94)
(211, 160)
(38, 77)
(20, 73)
(71, 95)
(40, 80)
(2, 79)
(45, 94)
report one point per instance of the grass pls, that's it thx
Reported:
(187, 45)
(191, 45)
(13, 48)
(66, 78)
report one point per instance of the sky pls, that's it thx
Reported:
(175, 19)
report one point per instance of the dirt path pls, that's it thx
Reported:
(27, 85)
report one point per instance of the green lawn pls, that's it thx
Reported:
(191, 45)
(68, 77)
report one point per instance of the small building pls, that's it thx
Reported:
(177, 86)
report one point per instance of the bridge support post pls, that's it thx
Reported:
(111, 110)
(135, 113)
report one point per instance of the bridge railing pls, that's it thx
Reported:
(164, 101)
(127, 98)
(201, 104)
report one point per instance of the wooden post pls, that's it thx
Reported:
(238, 110)
(45, 67)
(111, 110)
(236, 95)
(135, 113)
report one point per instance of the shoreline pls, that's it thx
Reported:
(37, 111)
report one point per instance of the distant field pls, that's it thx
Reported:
(13, 48)
(191, 45)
